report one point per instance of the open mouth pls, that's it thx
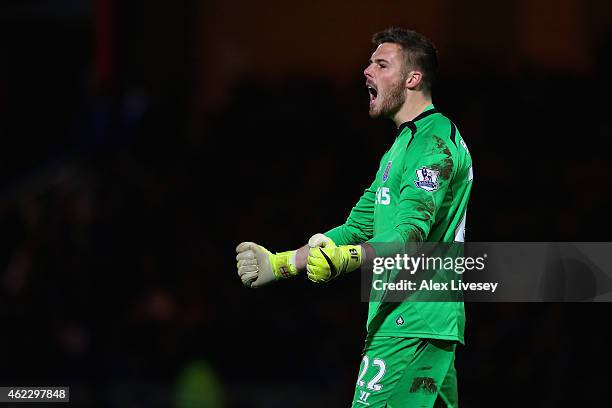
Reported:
(373, 93)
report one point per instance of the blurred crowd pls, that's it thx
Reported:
(121, 204)
(118, 273)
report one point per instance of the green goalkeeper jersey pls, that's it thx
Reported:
(420, 194)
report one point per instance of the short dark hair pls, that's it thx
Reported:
(420, 53)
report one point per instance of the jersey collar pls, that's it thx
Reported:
(430, 110)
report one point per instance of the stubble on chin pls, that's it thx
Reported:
(374, 114)
(391, 104)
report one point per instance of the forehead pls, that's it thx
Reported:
(387, 51)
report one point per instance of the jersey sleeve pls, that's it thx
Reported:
(428, 169)
(359, 227)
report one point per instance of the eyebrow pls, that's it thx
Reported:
(377, 60)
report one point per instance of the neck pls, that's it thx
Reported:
(415, 104)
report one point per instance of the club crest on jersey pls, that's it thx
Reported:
(427, 179)
(385, 175)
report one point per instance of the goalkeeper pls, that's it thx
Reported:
(419, 194)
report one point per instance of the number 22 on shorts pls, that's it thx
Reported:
(373, 384)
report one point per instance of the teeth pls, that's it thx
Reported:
(372, 91)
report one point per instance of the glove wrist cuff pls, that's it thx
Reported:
(283, 264)
(353, 258)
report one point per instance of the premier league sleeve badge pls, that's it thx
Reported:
(427, 179)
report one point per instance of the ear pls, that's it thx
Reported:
(413, 80)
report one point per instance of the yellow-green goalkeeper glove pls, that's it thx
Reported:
(257, 266)
(329, 260)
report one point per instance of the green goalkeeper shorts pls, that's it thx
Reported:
(400, 372)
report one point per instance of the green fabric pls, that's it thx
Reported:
(395, 210)
(399, 372)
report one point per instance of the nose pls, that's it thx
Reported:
(367, 72)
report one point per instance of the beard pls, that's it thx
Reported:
(389, 104)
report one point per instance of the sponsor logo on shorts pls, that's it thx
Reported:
(363, 397)
(424, 384)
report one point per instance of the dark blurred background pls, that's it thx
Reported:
(143, 140)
